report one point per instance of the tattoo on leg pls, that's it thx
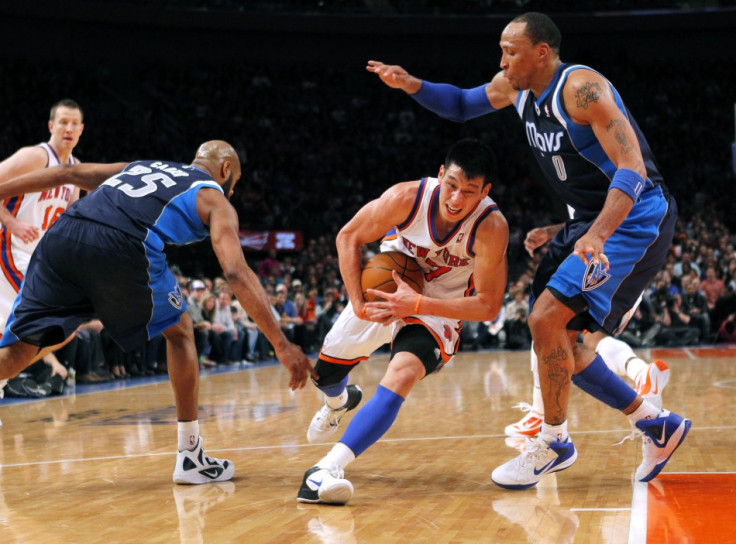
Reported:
(559, 377)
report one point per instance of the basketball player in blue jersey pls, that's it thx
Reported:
(598, 161)
(25, 218)
(104, 257)
(458, 237)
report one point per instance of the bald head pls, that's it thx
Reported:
(219, 159)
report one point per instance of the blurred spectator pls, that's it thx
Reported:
(202, 326)
(515, 323)
(270, 266)
(223, 333)
(676, 329)
(288, 315)
(695, 307)
(712, 286)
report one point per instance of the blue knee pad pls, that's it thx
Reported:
(599, 381)
(334, 390)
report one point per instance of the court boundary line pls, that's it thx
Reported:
(291, 446)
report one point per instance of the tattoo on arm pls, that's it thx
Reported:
(619, 133)
(589, 92)
(559, 376)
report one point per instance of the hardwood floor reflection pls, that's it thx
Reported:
(97, 467)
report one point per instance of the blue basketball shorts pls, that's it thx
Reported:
(83, 270)
(637, 250)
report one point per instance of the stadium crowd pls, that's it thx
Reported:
(316, 150)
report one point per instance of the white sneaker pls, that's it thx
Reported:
(195, 467)
(321, 485)
(650, 385)
(525, 470)
(326, 421)
(529, 425)
(661, 437)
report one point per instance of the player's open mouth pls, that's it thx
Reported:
(453, 210)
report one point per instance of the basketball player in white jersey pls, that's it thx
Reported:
(25, 218)
(458, 237)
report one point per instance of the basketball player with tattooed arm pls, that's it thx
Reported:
(26, 217)
(458, 237)
(104, 257)
(598, 161)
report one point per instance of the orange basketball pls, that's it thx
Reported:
(377, 273)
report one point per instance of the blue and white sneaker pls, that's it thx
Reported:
(195, 467)
(541, 458)
(321, 485)
(661, 437)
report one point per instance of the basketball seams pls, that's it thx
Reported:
(381, 265)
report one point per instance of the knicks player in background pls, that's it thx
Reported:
(458, 237)
(596, 158)
(25, 218)
(104, 257)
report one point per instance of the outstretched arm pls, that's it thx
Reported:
(27, 159)
(87, 176)
(216, 212)
(447, 101)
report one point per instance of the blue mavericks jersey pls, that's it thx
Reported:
(569, 154)
(153, 201)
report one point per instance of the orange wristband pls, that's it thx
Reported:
(416, 304)
(362, 313)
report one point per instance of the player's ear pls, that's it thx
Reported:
(225, 169)
(442, 172)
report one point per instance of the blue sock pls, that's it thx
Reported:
(599, 381)
(372, 420)
(334, 390)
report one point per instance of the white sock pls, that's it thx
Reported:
(188, 432)
(339, 401)
(552, 433)
(645, 411)
(339, 457)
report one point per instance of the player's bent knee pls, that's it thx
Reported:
(331, 373)
(181, 331)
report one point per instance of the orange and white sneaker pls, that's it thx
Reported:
(650, 385)
(529, 425)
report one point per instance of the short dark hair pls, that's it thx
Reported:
(541, 29)
(65, 103)
(474, 157)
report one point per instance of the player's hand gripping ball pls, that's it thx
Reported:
(377, 273)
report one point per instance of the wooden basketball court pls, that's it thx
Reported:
(97, 467)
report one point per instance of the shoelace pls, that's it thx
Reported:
(633, 435)
(331, 416)
(536, 450)
(523, 406)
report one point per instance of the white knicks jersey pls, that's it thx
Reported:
(448, 262)
(40, 209)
